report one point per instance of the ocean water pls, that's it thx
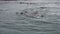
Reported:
(12, 23)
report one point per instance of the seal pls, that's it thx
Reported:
(34, 12)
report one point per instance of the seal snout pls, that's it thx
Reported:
(21, 13)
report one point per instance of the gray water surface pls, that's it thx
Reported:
(12, 23)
